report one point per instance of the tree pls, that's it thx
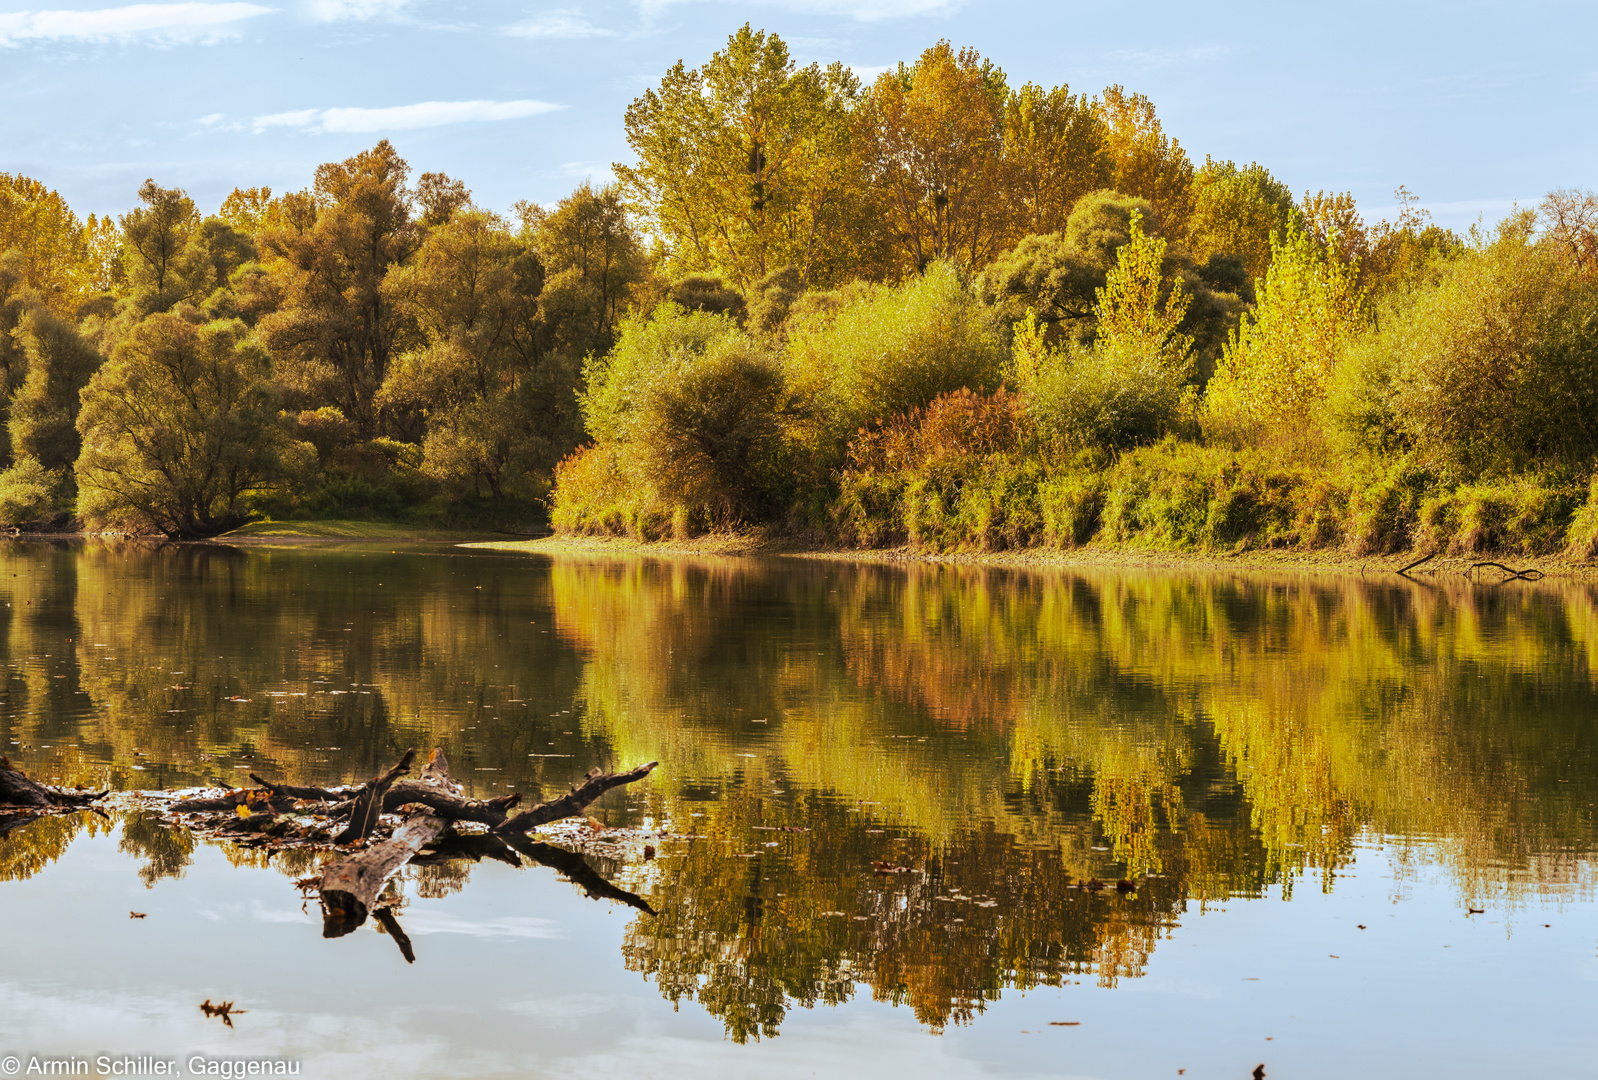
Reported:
(1148, 163)
(1236, 211)
(1056, 147)
(1139, 309)
(931, 140)
(499, 406)
(1570, 215)
(593, 261)
(1277, 366)
(1128, 387)
(329, 250)
(154, 237)
(1488, 372)
(37, 224)
(743, 163)
(178, 427)
(44, 408)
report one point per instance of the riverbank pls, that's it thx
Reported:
(333, 531)
(1326, 560)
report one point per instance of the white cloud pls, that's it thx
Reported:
(350, 10)
(860, 10)
(135, 22)
(402, 117)
(560, 23)
(427, 920)
(1162, 58)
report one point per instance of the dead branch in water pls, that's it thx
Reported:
(1531, 573)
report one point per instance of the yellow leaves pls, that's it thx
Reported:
(1130, 310)
(1277, 367)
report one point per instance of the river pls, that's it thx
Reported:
(1343, 825)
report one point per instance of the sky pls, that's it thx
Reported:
(1473, 107)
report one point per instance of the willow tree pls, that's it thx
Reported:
(499, 405)
(329, 250)
(178, 427)
(743, 163)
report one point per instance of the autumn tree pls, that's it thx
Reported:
(1235, 212)
(743, 163)
(1570, 216)
(329, 250)
(1056, 146)
(178, 427)
(593, 261)
(37, 224)
(1148, 163)
(499, 405)
(1277, 367)
(931, 141)
(154, 237)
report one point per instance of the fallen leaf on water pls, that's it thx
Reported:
(136, 915)
(225, 1010)
(1065, 1023)
(888, 868)
(1362, 926)
(649, 851)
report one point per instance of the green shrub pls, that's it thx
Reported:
(1491, 372)
(1523, 516)
(888, 352)
(27, 491)
(1179, 495)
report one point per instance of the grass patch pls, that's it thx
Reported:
(351, 530)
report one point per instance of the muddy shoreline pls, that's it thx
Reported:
(1328, 561)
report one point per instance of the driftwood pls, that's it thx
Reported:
(350, 887)
(18, 792)
(1531, 573)
(285, 815)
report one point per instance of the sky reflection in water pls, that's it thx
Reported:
(1377, 752)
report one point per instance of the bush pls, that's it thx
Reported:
(1180, 495)
(687, 414)
(27, 491)
(888, 352)
(962, 473)
(1523, 516)
(1492, 372)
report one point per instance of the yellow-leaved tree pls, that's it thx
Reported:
(1277, 366)
(742, 163)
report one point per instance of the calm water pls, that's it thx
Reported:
(1314, 780)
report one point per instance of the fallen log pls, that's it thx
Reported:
(17, 790)
(369, 803)
(574, 801)
(350, 885)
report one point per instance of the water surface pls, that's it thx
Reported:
(1312, 782)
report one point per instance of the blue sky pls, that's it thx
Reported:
(1472, 106)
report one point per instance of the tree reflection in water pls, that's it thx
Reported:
(1007, 738)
